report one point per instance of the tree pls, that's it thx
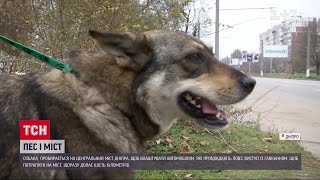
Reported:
(299, 48)
(15, 23)
(165, 14)
(196, 19)
(225, 60)
(315, 45)
(54, 26)
(236, 54)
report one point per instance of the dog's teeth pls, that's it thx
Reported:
(188, 97)
(198, 106)
(193, 102)
(218, 115)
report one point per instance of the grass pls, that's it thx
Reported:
(290, 76)
(241, 138)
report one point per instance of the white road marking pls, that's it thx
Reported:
(305, 83)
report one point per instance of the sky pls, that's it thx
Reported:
(245, 36)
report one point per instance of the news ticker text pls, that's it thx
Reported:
(233, 161)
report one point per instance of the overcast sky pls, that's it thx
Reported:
(246, 35)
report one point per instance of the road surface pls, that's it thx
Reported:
(291, 105)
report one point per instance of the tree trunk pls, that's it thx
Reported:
(292, 65)
(187, 21)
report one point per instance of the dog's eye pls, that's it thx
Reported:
(195, 58)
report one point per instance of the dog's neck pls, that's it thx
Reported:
(116, 86)
(113, 94)
(141, 122)
(126, 103)
(102, 82)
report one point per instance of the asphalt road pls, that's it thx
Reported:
(291, 106)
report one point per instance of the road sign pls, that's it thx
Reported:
(235, 62)
(276, 51)
(250, 57)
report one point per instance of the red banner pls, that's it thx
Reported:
(34, 129)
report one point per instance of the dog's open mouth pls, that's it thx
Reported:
(202, 109)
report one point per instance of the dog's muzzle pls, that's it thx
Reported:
(247, 83)
(202, 110)
(206, 112)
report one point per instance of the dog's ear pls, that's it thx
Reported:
(130, 49)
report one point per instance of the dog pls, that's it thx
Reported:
(124, 95)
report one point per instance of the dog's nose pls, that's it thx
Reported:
(247, 83)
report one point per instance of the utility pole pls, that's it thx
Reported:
(261, 68)
(198, 24)
(216, 51)
(308, 52)
(261, 59)
(270, 65)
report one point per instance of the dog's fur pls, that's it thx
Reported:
(124, 96)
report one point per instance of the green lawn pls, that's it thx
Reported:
(290, 76)
(187, 137)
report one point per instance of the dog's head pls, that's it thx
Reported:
(176, 76)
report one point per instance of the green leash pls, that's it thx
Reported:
(51, 61)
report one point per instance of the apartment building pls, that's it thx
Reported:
(285, 33)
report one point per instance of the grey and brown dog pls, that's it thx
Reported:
(125, 95)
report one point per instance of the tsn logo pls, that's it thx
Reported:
(34, 129)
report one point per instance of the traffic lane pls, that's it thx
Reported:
(288, 111)
(291, 106)
(308, 90)
(299, 94)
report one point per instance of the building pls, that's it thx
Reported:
(285, 33)
(292, 32)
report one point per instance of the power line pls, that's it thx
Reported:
(216, 52)
(247, 21)
(232, 26)
(223, 25)
(240, 9)
(216, 42)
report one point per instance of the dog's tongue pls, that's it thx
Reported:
(208, 108)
